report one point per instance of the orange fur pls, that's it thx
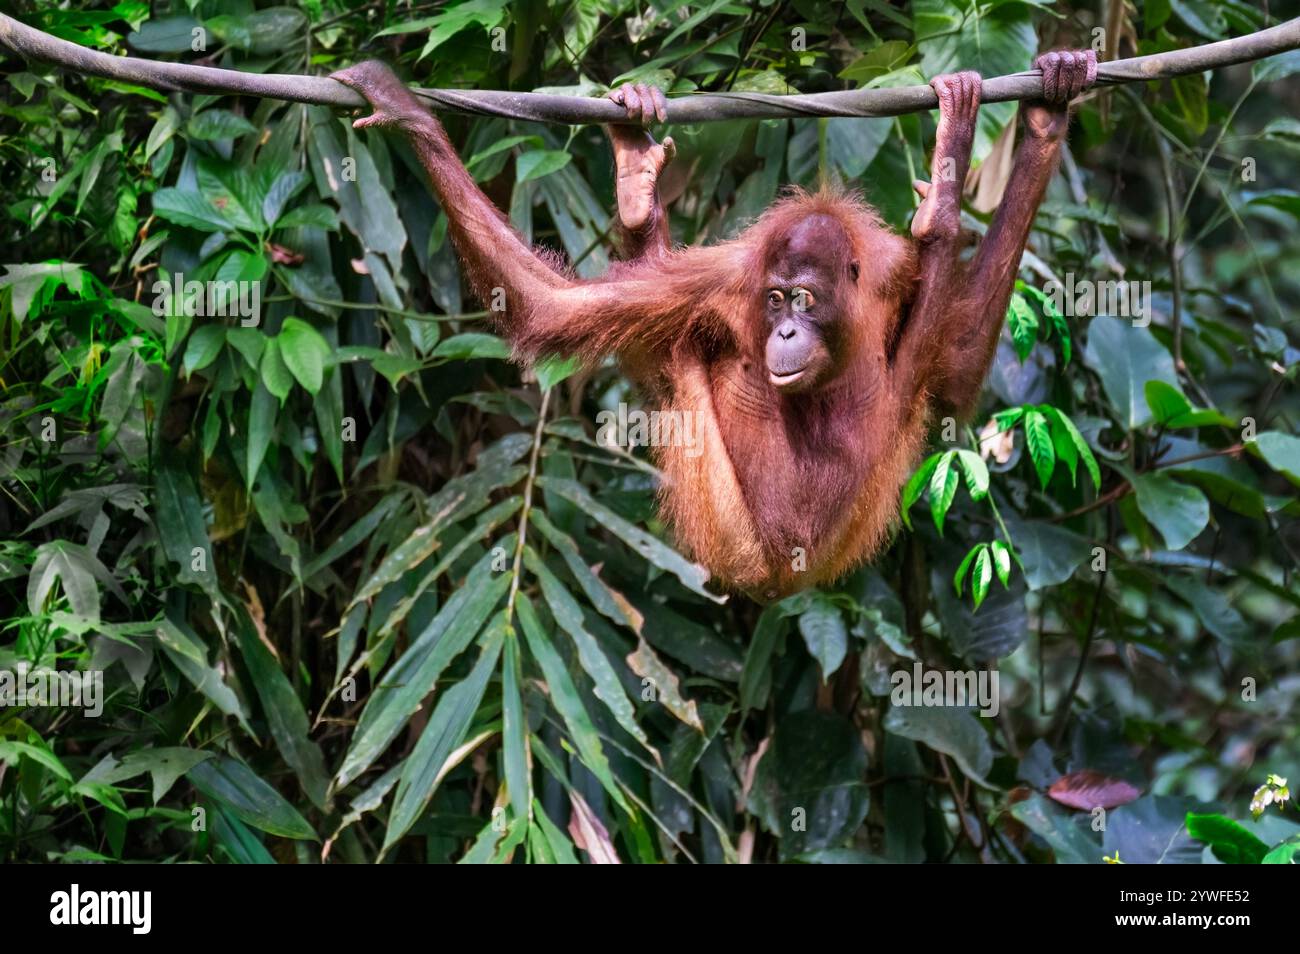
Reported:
(789, 492)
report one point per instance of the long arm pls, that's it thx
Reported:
(542, 310)
(958, 313)
(936, 227)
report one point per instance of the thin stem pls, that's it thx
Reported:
(1063, 710)
(528, 504)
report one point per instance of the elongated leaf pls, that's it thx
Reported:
(406, 683)
(981, 576)
(233, 784)
(447, 727)
(285, 714)
(189, 656)
(647, 664)
(606, 600)
(566, 700)
(568, 614)
(514, 730)
(305, 352)
(1038, 438)
(692, 575)
(916, 485)
(943, 488)
(181, 527)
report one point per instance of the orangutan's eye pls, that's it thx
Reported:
(775, 298)
(803, 299)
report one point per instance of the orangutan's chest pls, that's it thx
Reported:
(799, 471)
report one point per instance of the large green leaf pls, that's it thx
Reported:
(234, 785)
(1126, 358)
(810, 787)
(951, 730)
(1178, 511)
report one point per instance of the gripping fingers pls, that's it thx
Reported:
(644, 104)
(661, 103)
(959, 95)
(1066, 74)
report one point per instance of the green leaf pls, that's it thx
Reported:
(310, 216)
(959, 578)
(398, 695)
(1062, 425)
(568, 614)
(1002, 561)
(810, 785)
(993, 39)
(755, 678)
(1038, 438)
(949, 729)
(1231, 843)
(943, 488)
(1058, 322)
(446, 729)
(1283, 854)
(566, 700)
(977, 474)
(1009, 418)
(1282, 452)
(231, 189)
(552, 370)
(164, 765)
(285, 714)
(471, 344)
(185, 652)
(1066, 833)
(1166, 401)
(262, 408)
(1126, 358)
(213, 124)
(561, 847)
(275, 373)
(538, 163)
(284, 187)
(692, 575)
(182, 528)
(1023, 325)
(514, 729)
(981, 576)
(11, 750)
(916, 485)
(189, 209)
(233, 784)
(1178, 511)
(72, 565)
(305, 352)
(164, 35)
(824, 632)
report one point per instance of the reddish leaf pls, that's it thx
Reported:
(1089, 789)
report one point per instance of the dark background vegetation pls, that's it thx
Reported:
(357, 666)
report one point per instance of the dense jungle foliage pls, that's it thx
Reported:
(361, 589)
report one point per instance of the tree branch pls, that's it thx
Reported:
(546, 107)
